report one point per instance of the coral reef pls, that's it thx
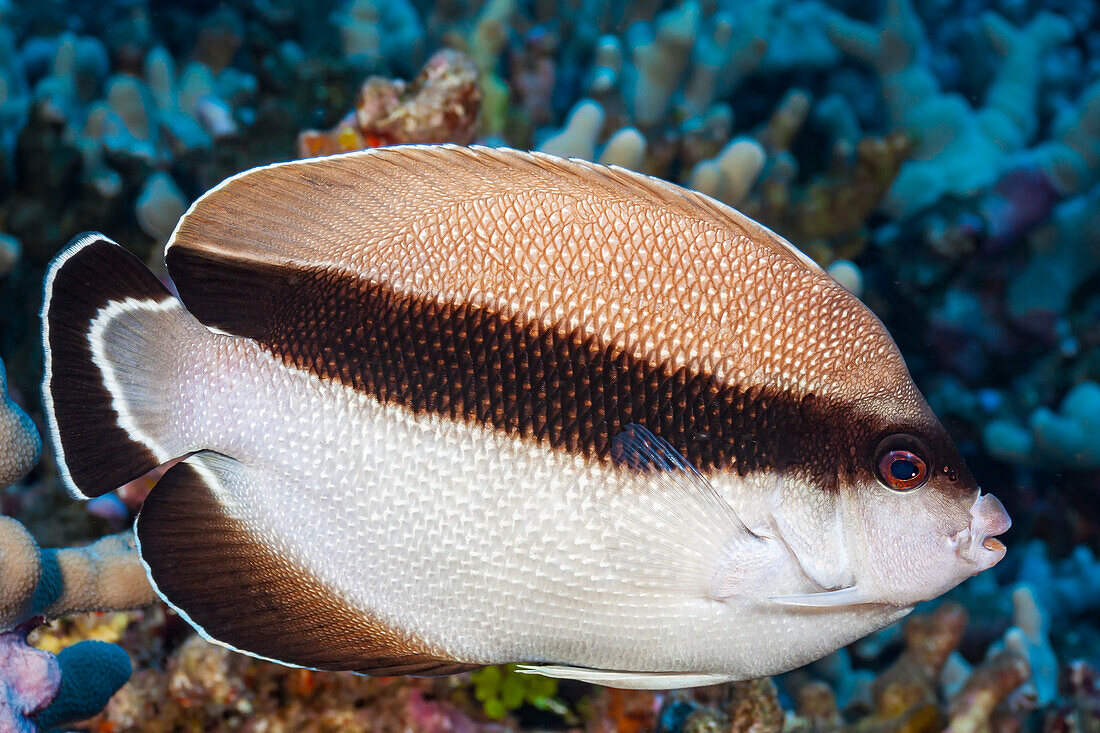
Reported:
(960, 150)
(1065, 439)
(440, 105)
(27, 693)
(206, 687)
(39, 690)
(19, 441)
(942, 160)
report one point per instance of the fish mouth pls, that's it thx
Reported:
(978, 542)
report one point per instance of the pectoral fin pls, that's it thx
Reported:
(669, 526)
(626, 680)
(851, 596)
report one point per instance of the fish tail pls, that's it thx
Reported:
(111, 335)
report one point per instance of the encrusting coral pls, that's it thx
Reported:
(440, 105)
(19, 441)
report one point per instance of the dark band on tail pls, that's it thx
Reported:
(96, 454)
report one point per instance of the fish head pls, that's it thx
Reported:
(869, 465)
(919, 523)
(874, 497)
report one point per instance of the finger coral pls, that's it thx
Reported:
(1068, 438)
(91, 672)
(960, 150)
(106, 575)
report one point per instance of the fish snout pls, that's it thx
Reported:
(988, 519)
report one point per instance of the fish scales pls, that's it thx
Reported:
(441, 407)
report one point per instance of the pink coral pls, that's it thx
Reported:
(29, 680)
(433, 716)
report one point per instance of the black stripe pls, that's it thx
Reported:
(565, 389)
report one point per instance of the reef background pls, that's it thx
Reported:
(941, 158)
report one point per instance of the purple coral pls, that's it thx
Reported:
(29, 680)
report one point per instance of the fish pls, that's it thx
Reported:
(429, 408)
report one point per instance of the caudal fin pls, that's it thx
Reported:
(110, 335)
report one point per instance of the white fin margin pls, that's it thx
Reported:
(626, 680)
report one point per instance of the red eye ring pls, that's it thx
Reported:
(901, 470)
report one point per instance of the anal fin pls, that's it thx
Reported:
(211, 563)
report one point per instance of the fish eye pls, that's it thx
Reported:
(899, 465)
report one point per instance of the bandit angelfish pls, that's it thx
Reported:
(433, 407)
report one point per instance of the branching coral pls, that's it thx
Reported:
(579, 136)
(39, 688)
(1068, 438)
(960, 150)
(91, 672)
(659, 62)
(905, 695)
(159, 206)
(1065, 253)
(1071, 156)
(106, 575)
(374, 32)
(732, 173)
(974, 708)
(10, 252)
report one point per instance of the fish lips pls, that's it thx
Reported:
(978, 542)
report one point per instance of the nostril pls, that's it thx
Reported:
(989, 517)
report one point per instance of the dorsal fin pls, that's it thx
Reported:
(347, 212)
